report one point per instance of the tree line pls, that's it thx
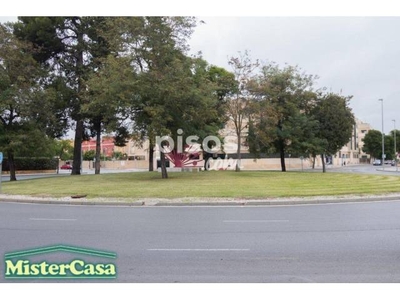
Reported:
(132, 76)
(373, 144)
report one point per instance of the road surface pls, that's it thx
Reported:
(304, 243)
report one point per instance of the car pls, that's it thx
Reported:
(66, 167)
(393, 163)
(377, 162)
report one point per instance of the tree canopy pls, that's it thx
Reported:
(29, 111)
(133, 77)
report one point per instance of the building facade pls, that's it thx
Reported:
(352, 153)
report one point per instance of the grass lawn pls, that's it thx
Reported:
(245, 184)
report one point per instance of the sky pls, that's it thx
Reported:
(358, 56)
(354, 51)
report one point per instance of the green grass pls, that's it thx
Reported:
(245, 184)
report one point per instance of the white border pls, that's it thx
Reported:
(203, 8)
(202, 291)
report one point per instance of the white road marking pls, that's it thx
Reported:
(189, 249)
(255, 221)
(44, 219)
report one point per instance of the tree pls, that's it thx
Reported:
(173, 91)
(63, 149)
(119, 155)
(107, 96)
(70, 48)
(238, 106)
(397, 133)
(373, 143)
(27, 108)
(89, 155)
(389, 147)
(152, 44)
(182, 100)
(284, 97)
(335, 124)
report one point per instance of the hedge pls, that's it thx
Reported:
(32, 163)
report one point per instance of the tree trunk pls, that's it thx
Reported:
(239, 154)
(323, 163)
(282, 154)
(164, 173)
(151, 155)
(11, 164)
(98, 149)
(206, 158)
(313, 162)
(77, 161)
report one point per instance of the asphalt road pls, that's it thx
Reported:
(366, 169)
(303, 243)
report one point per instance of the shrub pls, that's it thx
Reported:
(32, 163)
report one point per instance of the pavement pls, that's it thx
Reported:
(357, 242)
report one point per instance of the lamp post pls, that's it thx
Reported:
(395, 150)
(383, 140)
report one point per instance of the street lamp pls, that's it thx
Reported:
(383, 140)
(395, 150)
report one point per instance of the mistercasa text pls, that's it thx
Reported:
(75, 268)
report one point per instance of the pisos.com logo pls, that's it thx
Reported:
(20, 265)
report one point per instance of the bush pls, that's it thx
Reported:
(32, 163)
(89, 155)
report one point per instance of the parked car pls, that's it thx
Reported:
(393, 163)
(377, 162)
(66, 167)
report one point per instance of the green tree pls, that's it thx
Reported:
(70, 48)
(26, 107)
(156, 46)
(373, 143)
(335, 124)
(108, 94)
(89, 155)
(63, 149)
(284, 96)
(181, 98)
(389, 147)
(118, 155)
(239, 104)
(392, 133)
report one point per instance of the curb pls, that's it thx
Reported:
(239, 203)
(281, 202)
(72, 202)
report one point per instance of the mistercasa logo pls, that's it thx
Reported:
(18, 265)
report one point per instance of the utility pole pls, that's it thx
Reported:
(383, 141)
(395, 150)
